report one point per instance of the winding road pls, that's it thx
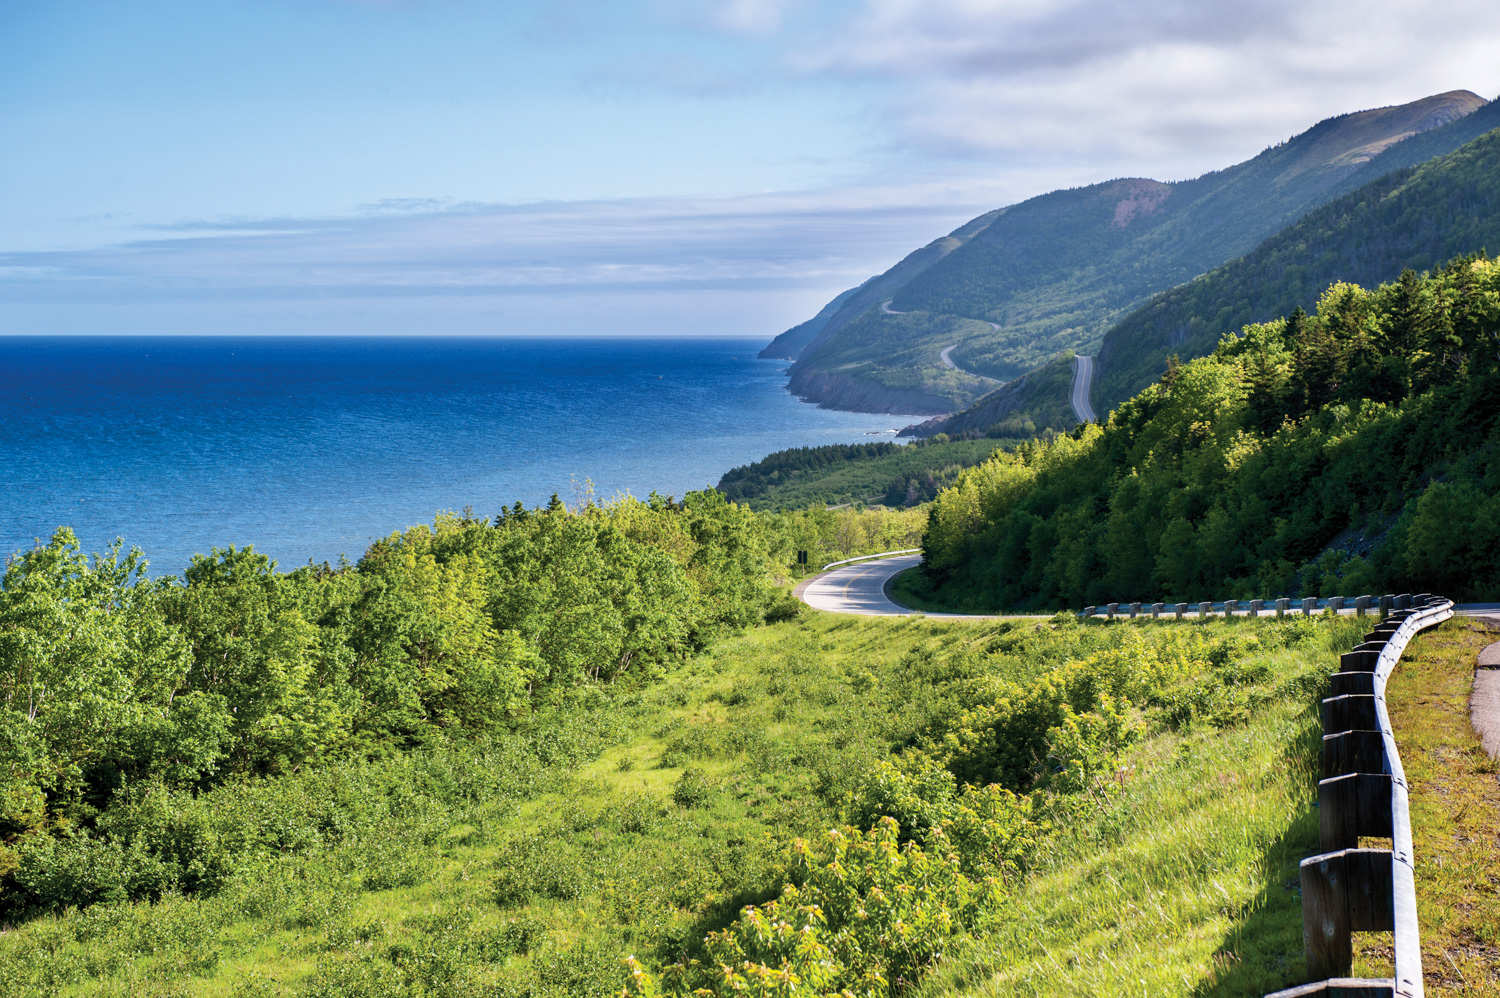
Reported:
(949, 361)
(858, 588)
(861, 589)
(1083, 384)
(1083, 372)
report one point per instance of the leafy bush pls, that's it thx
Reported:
(692, 789)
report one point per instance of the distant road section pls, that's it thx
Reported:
(949, 361)
(1083, 383)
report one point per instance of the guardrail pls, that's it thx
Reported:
(1363, 793)
(867, 557)
(1307, 606)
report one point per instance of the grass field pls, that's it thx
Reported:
(640, 819)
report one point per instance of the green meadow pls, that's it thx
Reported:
(1149, 790)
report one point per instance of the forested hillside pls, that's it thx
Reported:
(856, 301)
(1037, 401)
(1413, 218)
(1054, 272)
(1327, 453)
(838, 473)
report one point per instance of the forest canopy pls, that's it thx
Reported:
(1314, 454)
(112, 683)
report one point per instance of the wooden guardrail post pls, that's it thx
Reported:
(1387, 604)
(1353, 805)
(1361, 605)
(1283, 607)
(1112, 609)
(1135, 609)
(1089, 611)
(1336, 603)
(1157, 609)
(1342, 892)
(1181, 609)
(1205, 610)
(1256, 606)
(1230, 606)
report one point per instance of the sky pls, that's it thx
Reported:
(631, 167)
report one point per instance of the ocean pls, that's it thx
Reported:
(309, 448)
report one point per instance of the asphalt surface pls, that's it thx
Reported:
(1484, 702)
(858, 588)
(1083, 384)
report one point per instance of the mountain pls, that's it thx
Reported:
(847, 306)
(1413, 218)
(1416, 218)
(1013, 288)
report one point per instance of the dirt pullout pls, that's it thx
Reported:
(1484, 702)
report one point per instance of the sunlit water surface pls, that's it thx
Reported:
(309, 448)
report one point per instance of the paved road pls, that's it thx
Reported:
(858, 588)
(1083, 373)
(861, 589)
(1083, 383)
(1484, 701)
(949, 361)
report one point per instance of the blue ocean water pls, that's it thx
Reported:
(310, 448)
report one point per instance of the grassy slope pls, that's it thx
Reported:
(1176, 881)
(1179, 886)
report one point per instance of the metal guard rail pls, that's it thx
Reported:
(1345, 888)
(867, 557)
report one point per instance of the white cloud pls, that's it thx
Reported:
(773, 257)
(1175, 86)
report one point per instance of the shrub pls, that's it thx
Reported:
(692, 789)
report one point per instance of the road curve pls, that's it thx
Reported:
(949, 361)
(860, 589)
(1083, 383)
